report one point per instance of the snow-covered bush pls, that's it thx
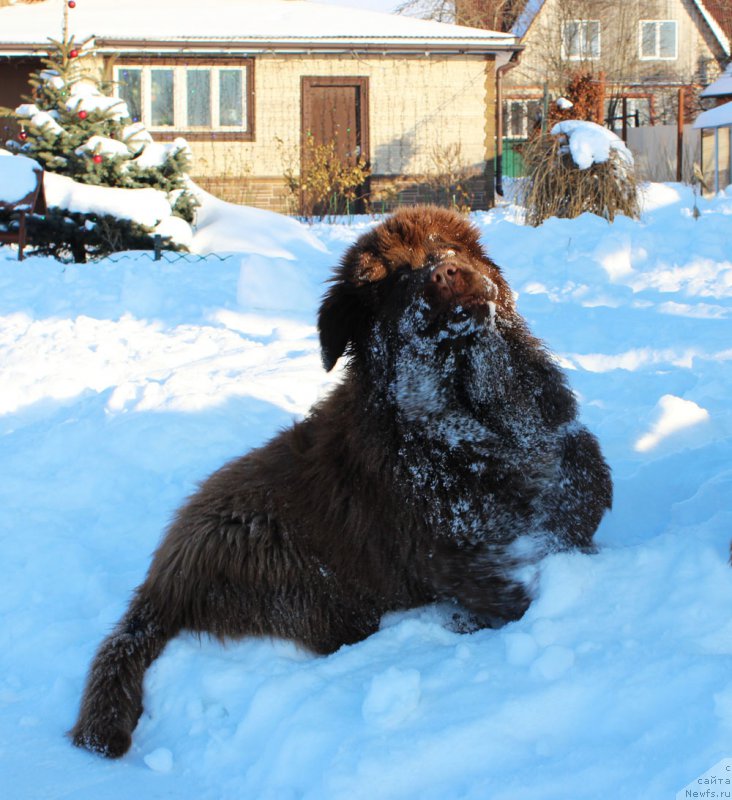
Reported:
(579, 166)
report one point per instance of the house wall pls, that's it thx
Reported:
(699, 54)
(420, 107)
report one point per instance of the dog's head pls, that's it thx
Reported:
(423, 255)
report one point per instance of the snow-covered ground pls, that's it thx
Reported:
(126, 382)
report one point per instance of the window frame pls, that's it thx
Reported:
(658, 56)
(525, 104)
(583, 55)
(180, 67)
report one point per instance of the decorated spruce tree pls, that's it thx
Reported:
(74, 124)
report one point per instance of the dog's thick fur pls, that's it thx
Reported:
(446, 462)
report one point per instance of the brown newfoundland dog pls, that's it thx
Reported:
(446, 462)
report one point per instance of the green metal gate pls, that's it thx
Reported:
(513, 163)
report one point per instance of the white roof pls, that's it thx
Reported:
(719, 117)
(722, 86)
(262, 23)
(526, 17)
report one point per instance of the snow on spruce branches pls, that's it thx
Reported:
(75, 125)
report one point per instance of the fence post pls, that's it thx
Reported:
(545, 108)
(600, 110)
(680, 137)
(158, 246)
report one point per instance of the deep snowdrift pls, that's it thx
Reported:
(126, 382)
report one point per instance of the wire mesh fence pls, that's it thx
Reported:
(168, 256)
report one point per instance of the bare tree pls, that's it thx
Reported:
(437, 10)
(495, 15)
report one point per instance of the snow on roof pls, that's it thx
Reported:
(720, 87)
(526, 17)
(259, 22)
(719, 117)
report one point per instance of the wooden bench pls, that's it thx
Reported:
(33, 203)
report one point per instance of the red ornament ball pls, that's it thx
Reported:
(83, 114)
(97, 159)
(73, 54)
(72, 4)
(22, 136)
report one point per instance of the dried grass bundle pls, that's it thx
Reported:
(556, 187)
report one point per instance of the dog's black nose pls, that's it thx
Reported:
(444, 275)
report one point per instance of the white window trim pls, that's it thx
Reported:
(525, 120)
(658, 57)
(582, 56)
(180, 97)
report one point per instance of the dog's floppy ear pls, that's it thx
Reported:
(342, 309)
(337, 320)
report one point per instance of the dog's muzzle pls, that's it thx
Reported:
(452, 284)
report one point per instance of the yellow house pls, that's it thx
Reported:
(249, 82)
(644, 50)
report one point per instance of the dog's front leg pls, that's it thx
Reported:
(482, 580)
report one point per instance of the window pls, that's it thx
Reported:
(192, 99)
(581, 38)
(658, 39)
(521, 117)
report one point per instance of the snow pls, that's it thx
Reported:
(564, 103)
(104, 146)
(176, 229)
(675, 414)
(722, 86)
(41, 119)
(127, 381)
(86, 96)
(136, 134)
(264, 22)
(146, 206)
(154, 154)
(18, 177)
(590, 143)
(149, 207)
(51, 76)
(719, 117)
(524, 20)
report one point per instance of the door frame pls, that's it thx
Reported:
(362, 82)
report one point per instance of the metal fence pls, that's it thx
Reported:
(169, 256)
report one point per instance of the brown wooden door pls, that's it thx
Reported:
(14, 76)
(335, 110)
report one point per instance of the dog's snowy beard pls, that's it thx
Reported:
(458, 405)
(450, 370)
